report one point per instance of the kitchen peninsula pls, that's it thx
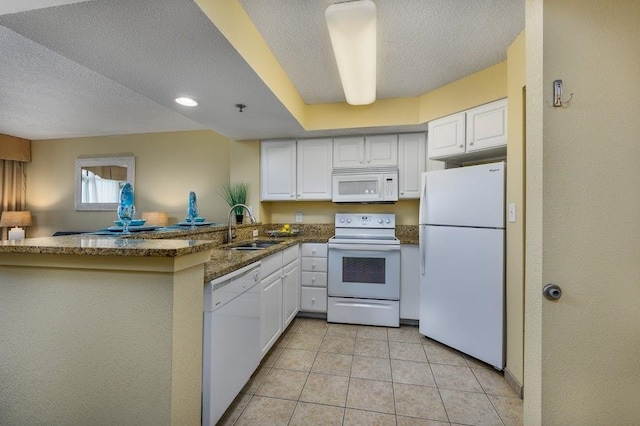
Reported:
(104, 330)
(101, 330)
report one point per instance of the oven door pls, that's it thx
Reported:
(364, 271)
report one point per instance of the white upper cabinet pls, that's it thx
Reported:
(412, 148)
(348, 151)
(278, 170)
(381, 151)
(447, 136)
(487, 126)
(370, 151)
(476, 134)
(314, 169)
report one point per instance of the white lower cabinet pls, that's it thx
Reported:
(270, 311)
(280, 297)
(290, 292)
(313, 278)
(313, 299)
(410, 282)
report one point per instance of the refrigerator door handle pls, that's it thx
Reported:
(422, 233)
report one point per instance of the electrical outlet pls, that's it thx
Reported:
(298, 217)
(255, 232)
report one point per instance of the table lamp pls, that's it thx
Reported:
(15, 220)
(155, 218)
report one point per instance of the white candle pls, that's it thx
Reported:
(16, 234)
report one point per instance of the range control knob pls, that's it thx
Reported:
(379, 220)
(342, 220)
(348, 220)
(387, 221)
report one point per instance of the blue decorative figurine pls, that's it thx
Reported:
(126, 209)
(192, 212)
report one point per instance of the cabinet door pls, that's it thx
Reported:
(348, 151)
(487, 126)
(270, 311)
(278, 170)
(315, 158)
(409, 282)
(412, 149)
(290, 292)
(381, 151)
(447, 136)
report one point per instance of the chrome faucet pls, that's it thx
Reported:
(229, 233)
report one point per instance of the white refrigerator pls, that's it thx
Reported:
(462, 238)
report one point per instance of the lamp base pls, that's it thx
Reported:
(16, 233)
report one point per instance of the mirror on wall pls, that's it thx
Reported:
(99, 179)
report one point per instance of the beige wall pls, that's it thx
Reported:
(516, 79)
(85, 345)
(583, 233)
(245, 167)
(168, 166)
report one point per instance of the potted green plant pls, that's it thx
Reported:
(236, 193)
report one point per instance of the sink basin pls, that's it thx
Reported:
(255, 245)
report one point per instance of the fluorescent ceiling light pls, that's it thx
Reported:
(186, 102)
(352, 27)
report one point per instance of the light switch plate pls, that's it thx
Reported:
(512, 212)
(298, 217)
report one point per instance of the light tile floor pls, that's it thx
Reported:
(337, 374)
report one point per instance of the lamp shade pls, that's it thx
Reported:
(156, 218)
(15, 219)
(352, 27)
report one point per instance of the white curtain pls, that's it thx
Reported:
(98, 190)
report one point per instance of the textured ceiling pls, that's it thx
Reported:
(105, 67)
(422, 44)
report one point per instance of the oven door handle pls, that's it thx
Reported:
(364, 247)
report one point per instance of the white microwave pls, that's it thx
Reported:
(365, 185)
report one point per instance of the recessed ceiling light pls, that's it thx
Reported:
(186, 102)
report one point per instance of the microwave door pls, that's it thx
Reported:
(350, 189)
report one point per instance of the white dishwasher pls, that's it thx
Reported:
(231, 338)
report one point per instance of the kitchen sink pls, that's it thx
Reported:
(255, 245)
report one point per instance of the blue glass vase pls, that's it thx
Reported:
(192, 211)
(126, 209)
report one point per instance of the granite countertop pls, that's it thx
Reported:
(92, 245)
(180, 242)
(224, 261)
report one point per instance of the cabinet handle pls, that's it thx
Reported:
(313, 279)
(313, 300)
(293, 195)
(461, 146)
(313, 251)
(313, 266)
(470, 143)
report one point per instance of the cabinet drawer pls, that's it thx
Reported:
(314, 250)
(289, 255)
(313, 299)
(313, 279)
(314, 264)
(271, 264)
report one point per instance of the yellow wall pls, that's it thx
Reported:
(516, 81)
(168, 166)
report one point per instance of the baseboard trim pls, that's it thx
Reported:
(513, 383)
